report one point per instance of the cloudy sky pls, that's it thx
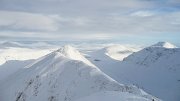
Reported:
(149, 20)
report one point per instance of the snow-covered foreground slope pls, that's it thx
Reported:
(113, 96)
(65, 75)
(11, 67)
(155, 68)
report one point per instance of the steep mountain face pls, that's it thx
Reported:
(63, 75)
(160, 53)
(159, 66)
(155, 69)
(11, 67)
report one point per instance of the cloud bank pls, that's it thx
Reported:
(82, 18)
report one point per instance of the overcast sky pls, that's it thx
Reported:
(90, 19)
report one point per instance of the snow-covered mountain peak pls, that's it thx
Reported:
(164, 44)
(70, 52)
(62, 75)
(154, 54)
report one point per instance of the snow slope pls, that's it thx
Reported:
(161, 65)
(117, 52)
(63, 75)
(155, 69)
(113, 96)
(11, 67)
(160, 55)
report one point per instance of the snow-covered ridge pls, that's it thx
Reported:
(61, 76)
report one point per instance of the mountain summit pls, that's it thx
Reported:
(71, 53)
(153, 54)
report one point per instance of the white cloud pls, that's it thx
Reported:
(81, 19)
(54, 36)
(56, 26)
(26, 21)
(75, 7)
(143, 13)
(142, 23)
